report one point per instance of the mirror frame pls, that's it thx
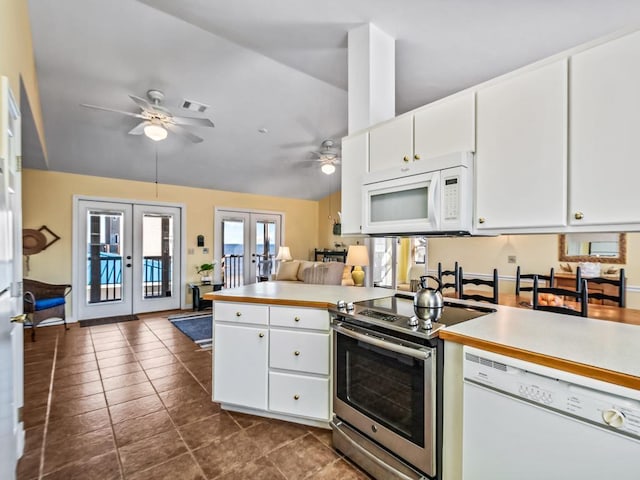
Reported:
(620, 259)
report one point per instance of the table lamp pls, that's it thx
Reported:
(358, 256)
(284, 254)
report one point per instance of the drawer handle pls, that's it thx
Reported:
(261, 334)
(238, 314)
(297, 353)
(296, 397)
(296, 319)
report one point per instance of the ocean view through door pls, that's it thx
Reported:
(246, 243)
(128, 258)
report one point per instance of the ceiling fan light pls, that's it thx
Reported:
(328, 168)
(155, 132)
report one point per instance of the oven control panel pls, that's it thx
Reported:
(590, 400)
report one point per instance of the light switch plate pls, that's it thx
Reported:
(205, 250)
(511, 259)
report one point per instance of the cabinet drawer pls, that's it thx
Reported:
(298, 317)
(241, 313)
(299, 395)
(300, 351)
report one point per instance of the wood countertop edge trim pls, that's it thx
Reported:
(268, 301)
(617, 378)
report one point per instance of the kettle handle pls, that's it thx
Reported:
(423, 282)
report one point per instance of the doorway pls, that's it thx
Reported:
(128, 258)
(246, 242)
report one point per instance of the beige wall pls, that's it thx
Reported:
(534, 253)
(48, 200)
(16, 55)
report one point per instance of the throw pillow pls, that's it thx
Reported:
(315, 274)
(304, 265)
(288, 271)
(333, 275)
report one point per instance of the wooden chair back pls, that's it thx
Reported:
(448, 273)
(580, 296)
(549, 279)
(493, 284)
(620, 283)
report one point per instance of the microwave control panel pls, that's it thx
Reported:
(451, 198)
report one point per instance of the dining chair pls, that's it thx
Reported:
(529, 276)
(493, 284)
(580, 296)
(448, 273)
(620, 283)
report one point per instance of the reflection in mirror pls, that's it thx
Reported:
(593, 247)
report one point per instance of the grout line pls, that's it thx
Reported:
(46, 416)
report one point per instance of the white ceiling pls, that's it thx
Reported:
(279, 65)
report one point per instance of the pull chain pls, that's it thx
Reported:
(156, 170)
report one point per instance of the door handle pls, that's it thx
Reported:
(129, 265)
(128, 257)
(19, 318)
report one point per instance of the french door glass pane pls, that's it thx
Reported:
(157, 255)
(265, 249)
(104, 257)
(233, 252)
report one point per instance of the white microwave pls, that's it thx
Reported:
(435, 197)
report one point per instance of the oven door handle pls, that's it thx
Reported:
(394, 347)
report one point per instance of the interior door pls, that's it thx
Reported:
(129, 258)
(247, 244)
(11, 334)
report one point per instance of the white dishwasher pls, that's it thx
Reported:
(526, 421)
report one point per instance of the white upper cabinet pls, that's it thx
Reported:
(355, 161)
(605, 127)
(521, 151)
(445, 127)
(391, 144)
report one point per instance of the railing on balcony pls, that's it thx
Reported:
(232, 270)
(156, 281)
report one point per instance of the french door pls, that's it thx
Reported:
(128, 258)
(247, 242)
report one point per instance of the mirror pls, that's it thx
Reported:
(593, 247)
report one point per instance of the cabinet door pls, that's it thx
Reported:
(447, 126)
(240, 365)
(604, 119)
(355, 161)
(391, 144)
(521, 155)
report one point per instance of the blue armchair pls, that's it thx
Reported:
(44, 300)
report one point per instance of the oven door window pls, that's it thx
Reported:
(386, 386)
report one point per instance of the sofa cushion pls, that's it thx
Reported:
(288, 270)
(329, 273)
(304, 264)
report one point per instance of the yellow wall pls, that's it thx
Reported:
(48, 200)
(328, 209)
(534, 253)
(16, 55)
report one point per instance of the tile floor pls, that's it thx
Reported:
(132, 400)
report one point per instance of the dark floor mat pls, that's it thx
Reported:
(92, 322)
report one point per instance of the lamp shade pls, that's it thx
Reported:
(155, 131)
(328, 168)
(358, 255)
(284, 254)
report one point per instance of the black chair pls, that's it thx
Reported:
(493, 298)
(529, 276)
(620, 283)
(448, 273)
(580, 296)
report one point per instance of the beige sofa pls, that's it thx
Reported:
(320, 273)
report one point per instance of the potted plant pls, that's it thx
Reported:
(205, 270)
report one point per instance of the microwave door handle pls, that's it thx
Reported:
(401, 349)
(433, 201)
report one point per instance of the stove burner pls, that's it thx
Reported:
(380, 316)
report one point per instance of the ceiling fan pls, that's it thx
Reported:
(328, 156)
(156, 119)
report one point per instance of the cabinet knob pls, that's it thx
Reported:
(578, 215)
(261, 334)
(297, 353)
(238, 314)
(416, 157)
(481, 220)
(405, 159)
(296, 397)
(296, 319)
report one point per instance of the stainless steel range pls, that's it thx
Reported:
(388, 385)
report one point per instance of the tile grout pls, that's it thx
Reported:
(48, 411)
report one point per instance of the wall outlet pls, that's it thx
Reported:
(205, 250)
(511, 259)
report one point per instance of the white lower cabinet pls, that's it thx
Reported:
(241, 356)
(299, 395)
(273, 359)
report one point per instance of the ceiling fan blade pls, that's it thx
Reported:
(141, 102)
(198, 122)
(136, 115)
(181, 131)
(139, 129)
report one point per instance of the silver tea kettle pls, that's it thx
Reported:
(428, 302)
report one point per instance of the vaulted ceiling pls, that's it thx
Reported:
(279, 65)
